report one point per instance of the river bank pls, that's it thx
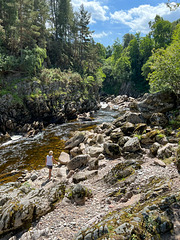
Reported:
(28, 153)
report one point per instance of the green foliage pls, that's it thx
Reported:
(100, 76)
(32, 60)
(117, 50)
(126, 39)
(122, 69)
(101, 50)
(138, 136)
(161, 31)
(8, 63)
(165, 69)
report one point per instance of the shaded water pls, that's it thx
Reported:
(29, 153)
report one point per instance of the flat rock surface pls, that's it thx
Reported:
(67, 219)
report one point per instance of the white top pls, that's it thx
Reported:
(49, 161)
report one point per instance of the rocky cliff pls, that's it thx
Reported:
(29, 104)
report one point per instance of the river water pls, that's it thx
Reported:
(29, 153)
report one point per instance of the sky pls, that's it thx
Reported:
(112, 19)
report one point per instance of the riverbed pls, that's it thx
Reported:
(21, 153)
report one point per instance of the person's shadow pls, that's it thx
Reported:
(44, 183)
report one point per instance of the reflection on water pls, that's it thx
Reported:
(29, 153)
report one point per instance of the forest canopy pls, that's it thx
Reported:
(37, 34)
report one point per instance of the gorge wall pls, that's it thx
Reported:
(27, 104)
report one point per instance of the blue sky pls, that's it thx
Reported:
(111, 19)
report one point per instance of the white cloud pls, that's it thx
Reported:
(101, 35)
(138, 18)
(97, 11)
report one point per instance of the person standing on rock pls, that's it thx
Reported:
(49, 162)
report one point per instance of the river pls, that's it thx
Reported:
(23, 153)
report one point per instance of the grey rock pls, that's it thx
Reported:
(64, 158)
(132, 145)
(78, 161)
(112, 149)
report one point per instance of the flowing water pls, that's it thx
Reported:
(29, 153)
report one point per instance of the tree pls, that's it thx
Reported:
(161, 32)
(84, 32)
(109, 51)
(126, 39)
(117, 50)
(122, 69)
(134, 54)
(101, 51)
(164, 65)
(145, 48)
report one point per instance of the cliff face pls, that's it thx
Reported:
(55, 101)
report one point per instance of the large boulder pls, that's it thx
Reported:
(75, 151)
(165, 151)
(178, 159)
(131, 117)
(75, 141)
(64, 158)
(127, 128)
(160, 102)
(78, 194)
(81, 176)
(21, 204)
(154, 148)
(112, 149)
(158, 119)
(78, 161)
(95, 151)
(149, 137)
(132, 145)
(116, 134)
